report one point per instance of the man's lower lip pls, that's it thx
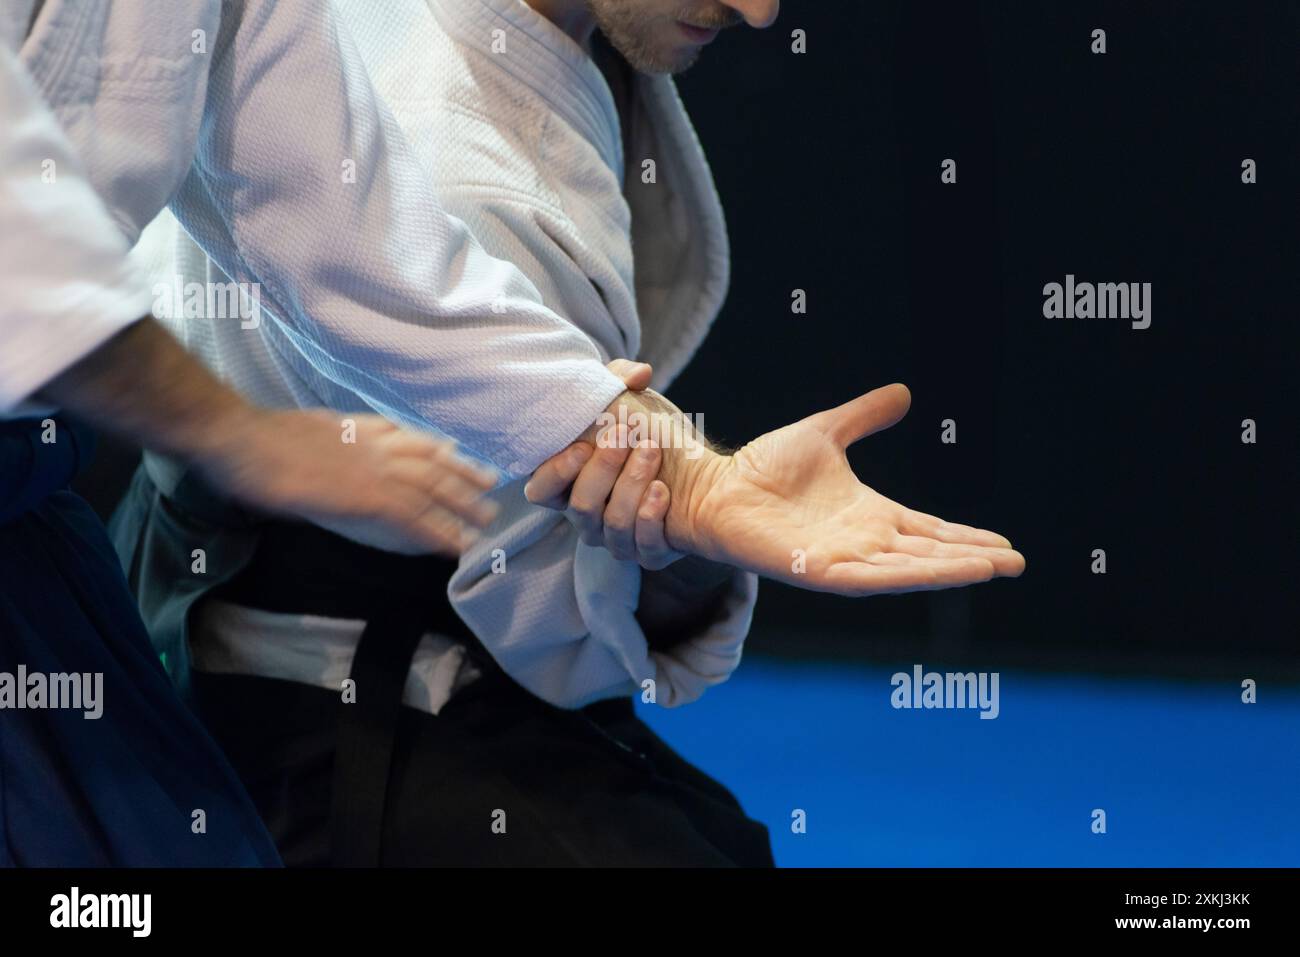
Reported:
(698, 34)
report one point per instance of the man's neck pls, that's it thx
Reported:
(571, 16)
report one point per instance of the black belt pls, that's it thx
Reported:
(303, 569)
(367, 732)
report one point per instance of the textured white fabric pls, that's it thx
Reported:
(373, 297)
(65, 284)
(526, 148)
(520, 135)
(257, 121)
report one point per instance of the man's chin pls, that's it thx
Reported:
(686, 62)
(667, 65)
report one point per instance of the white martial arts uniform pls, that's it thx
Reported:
(52, 226)
(521, 135)
(525, 146)
(255, 120)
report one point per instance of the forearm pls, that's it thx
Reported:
(141, 384)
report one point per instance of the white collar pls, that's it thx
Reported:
(536, 53)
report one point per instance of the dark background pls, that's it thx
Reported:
(1072, 434)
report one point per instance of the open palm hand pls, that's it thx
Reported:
(789, 507)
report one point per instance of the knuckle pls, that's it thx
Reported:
(611, 459)
(618, 518)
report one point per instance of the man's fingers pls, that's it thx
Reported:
(413, 525)
(447, 456)
(635, 375)
(652, 547)
(895, 573)
(441, 488)
(1006, 561)
(877, 410)
(592, 488)
(439, 456)
(443, 532)
(621, 512)
(466, 501)
(919, 523)
(549, 485)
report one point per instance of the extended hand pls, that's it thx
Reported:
(788, 506)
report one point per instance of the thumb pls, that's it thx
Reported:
(865, 415)
(635, 375)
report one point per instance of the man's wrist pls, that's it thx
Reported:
(689, 481)
(690, 465)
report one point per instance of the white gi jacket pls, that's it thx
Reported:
(525, 146)
(256, 121)
(375, 299)
(521, 137)
(65, 284)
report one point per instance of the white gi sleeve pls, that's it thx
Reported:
(302, 183)
(321, 201)
(65, 286)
